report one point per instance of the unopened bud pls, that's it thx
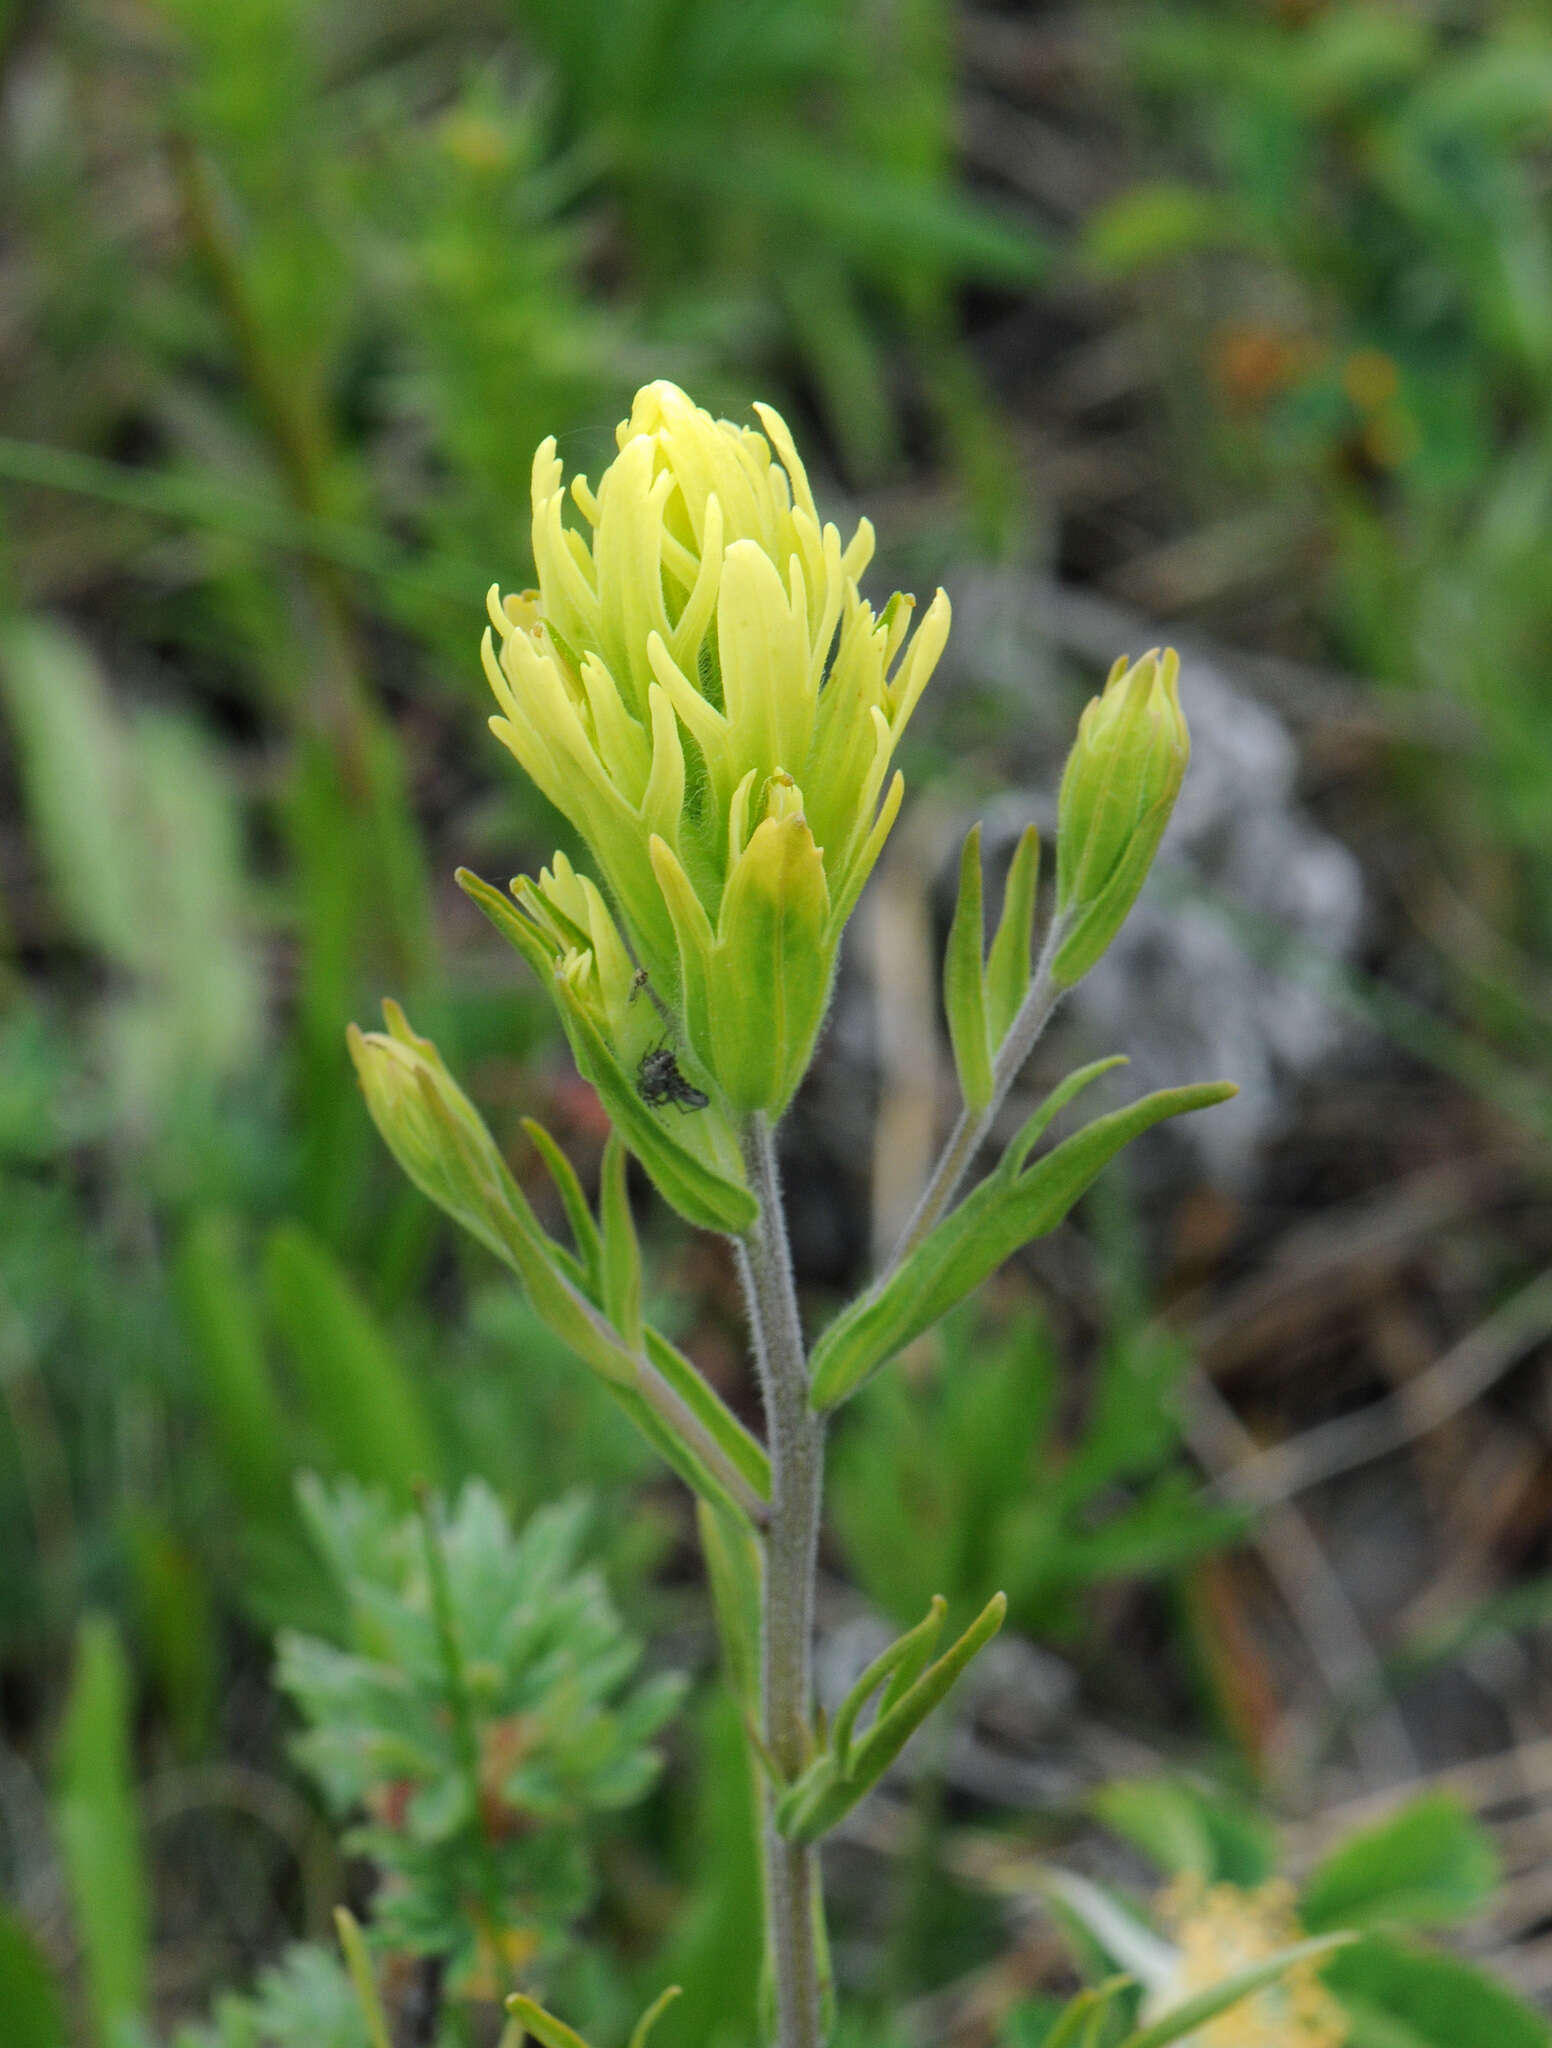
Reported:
(1118, 791)
(433, 1129)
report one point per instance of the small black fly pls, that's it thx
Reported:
(659, 1082)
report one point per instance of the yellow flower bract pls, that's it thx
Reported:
(698, 684)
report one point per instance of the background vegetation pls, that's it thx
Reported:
(1232, 320)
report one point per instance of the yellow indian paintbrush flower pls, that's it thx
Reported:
(698, 685)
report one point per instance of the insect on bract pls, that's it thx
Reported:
(659, 1081)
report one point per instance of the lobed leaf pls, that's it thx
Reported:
(901, 1663)
(1008, 1210)
(832, 1786)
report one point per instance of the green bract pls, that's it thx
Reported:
(562, 927)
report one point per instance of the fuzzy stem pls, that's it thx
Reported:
(973, 1126)
(796, 1442)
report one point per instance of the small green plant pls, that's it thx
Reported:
(476, 1716)
(699, 686)
(306, 2000)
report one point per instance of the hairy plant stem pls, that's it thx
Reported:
(796, 1444)
(973, 1127)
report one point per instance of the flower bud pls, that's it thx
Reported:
(439, 1139)
(432, 1129)
(1118, 791)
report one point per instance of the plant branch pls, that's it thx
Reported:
(974, 1126)
(796, 1443)
(671, 1408)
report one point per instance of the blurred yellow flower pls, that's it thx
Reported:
(1220, 1930)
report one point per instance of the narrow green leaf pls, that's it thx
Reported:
(902, 1663)
(1079, 2017)
(893, 1728)
(72, 749)
(1162, 1819)
(99, 1832)
(653, 2013)
(226, 1341)
(734, 1569)
(578, 1214)
(831, 1795)
(177, 1626)
(357, 1389)
(681, 1457)
(964, 981)
(136, 824)
(1005, 1212)
(1008, 965)
(1034, 1128)
(1428, 1865)
(824, 1964)
(510, 922)
(1193, 2013)
(1098, 2026)
(621, 1248)
(544, 2026)
(1369, 2027)
(359, 1964)
(29, 1998)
